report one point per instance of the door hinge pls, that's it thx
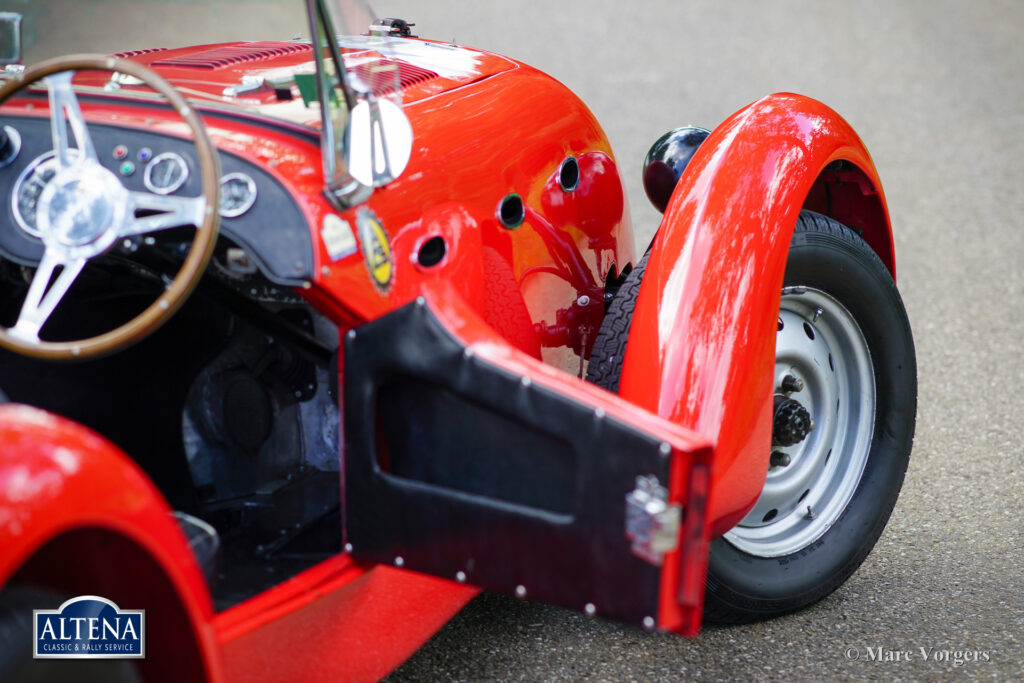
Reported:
(652, 525)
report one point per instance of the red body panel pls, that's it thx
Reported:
(702, 345)
(455, 180)
(336, 622)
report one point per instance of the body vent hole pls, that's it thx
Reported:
(511, 211)
(432, 252)
(569, 174)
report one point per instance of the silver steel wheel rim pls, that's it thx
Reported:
(820, 343)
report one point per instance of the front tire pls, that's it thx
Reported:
(845, 344)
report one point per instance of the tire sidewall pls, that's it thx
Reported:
(839, 263)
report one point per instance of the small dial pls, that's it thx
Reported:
(237, 194)
(29, 186)
(166, 173)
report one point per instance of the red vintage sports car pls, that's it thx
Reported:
(306, 342)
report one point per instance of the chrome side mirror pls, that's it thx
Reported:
(10, 38)
(379, 139)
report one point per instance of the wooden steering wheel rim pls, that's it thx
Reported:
(203, 243)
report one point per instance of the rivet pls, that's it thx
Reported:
(307, 284)
(520, 591)
(348, 547)
(460, 577)
(526, 382)
(467, 354)
(326, 270)
(164, 304)
(351, 334)
(649, 623)
(599, 413)
(589, 609)
(420, 301)
(399, 561)
(666, 448)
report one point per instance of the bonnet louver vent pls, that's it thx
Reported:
(136, 53)
(379, 76)
(239, 53)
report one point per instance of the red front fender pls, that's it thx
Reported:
(77, 514)
(701, 349)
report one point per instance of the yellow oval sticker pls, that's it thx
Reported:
(376, 250)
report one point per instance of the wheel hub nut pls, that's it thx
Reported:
(791, 423)
(779, 459)
(791, 383)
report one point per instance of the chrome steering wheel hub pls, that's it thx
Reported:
(82, 210)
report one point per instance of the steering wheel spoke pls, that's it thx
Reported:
(64, 111)
(43, 297)
(85, 208)
(164, 211)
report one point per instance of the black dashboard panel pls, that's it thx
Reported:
(273, 231)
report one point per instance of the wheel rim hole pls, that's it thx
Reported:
(770, 515)
(781, 325)
(432, 252)
(828, 455)
(809, 331)
(831, 364)
(803, 495)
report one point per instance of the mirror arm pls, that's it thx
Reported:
(382, 176)
(348, 195)
(340, 188)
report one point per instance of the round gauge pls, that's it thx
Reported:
(166, 173)
(237, 194)
(29, 186)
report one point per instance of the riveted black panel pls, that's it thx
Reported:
(455, 465)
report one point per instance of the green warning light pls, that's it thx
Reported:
(127, 168)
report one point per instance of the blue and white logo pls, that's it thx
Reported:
(89, 627)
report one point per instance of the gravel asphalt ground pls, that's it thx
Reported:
(936, 91)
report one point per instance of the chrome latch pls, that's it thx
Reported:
(652, 525)
(250, 83)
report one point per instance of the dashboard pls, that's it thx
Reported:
(257, 213)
